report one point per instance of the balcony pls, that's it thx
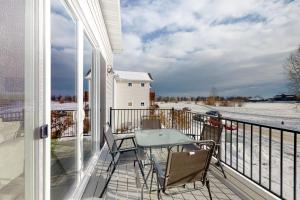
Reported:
(260, 161)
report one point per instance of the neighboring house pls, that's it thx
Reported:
(132, 90)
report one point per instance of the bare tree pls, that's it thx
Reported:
(292, 67)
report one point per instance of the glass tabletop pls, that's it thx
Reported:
(161, 138)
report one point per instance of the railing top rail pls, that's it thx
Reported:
(248, 122)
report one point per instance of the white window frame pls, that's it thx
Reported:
(40, 187)
(142, 104)
(130, 84)
(142, 84)
(130, 104)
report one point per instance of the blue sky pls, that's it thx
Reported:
(189, 46)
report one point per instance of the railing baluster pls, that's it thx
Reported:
(270, 159)
(281, 162)
(295, 166)
(244, 148)
(251, 156)
(259, 158)
(231, 142)
(225, 142)
(237, 146)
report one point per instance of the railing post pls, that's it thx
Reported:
(110, 117)
(172, 117)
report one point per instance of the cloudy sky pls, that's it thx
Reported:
(63, 51)
(190, 46)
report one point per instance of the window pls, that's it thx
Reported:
(87, 96)
(129, 103)
(142, 104)
(64, 92)
(129, 84)
(142, 84)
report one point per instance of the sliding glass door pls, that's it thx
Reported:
(63, 101)
(16, 112)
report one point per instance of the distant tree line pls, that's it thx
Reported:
(63, 99)
(199, 98)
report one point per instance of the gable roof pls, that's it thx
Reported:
(133, 76)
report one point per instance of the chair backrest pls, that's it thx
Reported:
(110, 140)
(188, 167)
(210, 132)
(150, 124)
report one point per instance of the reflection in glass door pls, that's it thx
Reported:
(87, 97)
(12, 120)
(63, 101)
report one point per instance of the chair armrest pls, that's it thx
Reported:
(125, 136)
(131, 132)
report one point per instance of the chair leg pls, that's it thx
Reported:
(158, 188)
(133, 142)
(108, 180)
(120, 144)
(219, 163)
(109, 166)
(208, 188)
(151, 181)
(141, 168)
(221, 166)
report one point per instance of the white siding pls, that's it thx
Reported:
(135, 94)
(109, 94)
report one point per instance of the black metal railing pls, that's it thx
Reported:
(10, 116)
(63, 123)
(264, 154)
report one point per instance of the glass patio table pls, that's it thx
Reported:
(157, 138)
(161, 138)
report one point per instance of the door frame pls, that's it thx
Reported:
(83, 175)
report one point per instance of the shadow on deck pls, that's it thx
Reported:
(127, 181)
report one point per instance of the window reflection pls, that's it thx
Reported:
(63, 101)
(12, 48)
(87, 85)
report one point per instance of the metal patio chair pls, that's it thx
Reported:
(134, 154)
(214, 133)
(184, 167)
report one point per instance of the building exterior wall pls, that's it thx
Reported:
(134, 94)
(109, 94)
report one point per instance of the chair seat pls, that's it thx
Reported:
(130, 155)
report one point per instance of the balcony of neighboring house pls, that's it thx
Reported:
(258, 161)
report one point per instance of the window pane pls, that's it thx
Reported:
(64, 101)
(87, 81)
(12, 37)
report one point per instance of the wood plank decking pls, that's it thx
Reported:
(126, 183)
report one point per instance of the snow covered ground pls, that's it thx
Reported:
(272, 114)
(63, 106)
(238, 148)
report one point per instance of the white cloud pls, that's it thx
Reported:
(164, 36)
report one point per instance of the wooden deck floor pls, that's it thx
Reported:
(126, 183)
